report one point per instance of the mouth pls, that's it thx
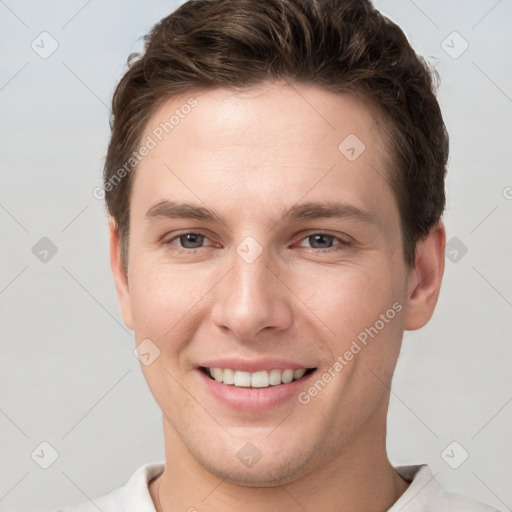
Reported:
(258, 380)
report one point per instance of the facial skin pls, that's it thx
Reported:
(250, 156)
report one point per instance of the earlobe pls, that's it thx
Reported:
(120, 275)
(425, 278)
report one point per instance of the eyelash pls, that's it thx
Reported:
(342, 243)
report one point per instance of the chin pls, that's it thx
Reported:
(271, 470)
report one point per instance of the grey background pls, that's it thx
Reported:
(68, 374)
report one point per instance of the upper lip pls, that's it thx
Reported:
(254, 365)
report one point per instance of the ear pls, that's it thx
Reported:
(425, 278)
(120, 275)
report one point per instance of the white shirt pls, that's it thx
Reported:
(424, 494)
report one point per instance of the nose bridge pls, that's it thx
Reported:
(251, 297)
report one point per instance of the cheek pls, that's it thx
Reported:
(165, 302)
(347, 299)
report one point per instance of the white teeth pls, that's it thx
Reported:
(217, 374)
(274, 377)
(297, 374)
(228, 376)
(261, 379)
(242, 379)
(287, 376)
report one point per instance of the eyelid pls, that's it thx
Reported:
(342, 237)
(303, 236)
(344, 241)
(178, 235)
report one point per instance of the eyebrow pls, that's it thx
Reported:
(303, 211)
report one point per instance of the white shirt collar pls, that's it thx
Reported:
(424, 494)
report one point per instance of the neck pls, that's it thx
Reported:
(361, 478)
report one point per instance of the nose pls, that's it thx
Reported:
(251, 301)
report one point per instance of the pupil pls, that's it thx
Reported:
(192, 239)
(320, 238)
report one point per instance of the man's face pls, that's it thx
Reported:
(268, 285)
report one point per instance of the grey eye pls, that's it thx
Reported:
(321, 239)
(194, 239)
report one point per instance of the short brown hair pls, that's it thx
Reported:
(337, 45)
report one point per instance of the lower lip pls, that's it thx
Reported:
(254, 399)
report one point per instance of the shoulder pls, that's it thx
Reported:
(458, 503)
(133, 496)
(425, 494)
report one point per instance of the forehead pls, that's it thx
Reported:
(268, 144)
(270, 114)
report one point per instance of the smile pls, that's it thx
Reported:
(259, 379)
